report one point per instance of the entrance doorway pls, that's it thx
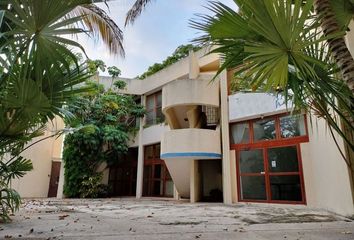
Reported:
(122, 175)
(157, 180)
(54, 179)
(210, 173)
(268, 158)
(270, 175)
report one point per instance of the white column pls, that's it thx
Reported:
(226, 162)
(140, 173)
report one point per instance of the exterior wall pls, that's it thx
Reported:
(36, 182)
(327, 182)
(350, 38)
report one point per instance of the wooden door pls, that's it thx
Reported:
(54, 179)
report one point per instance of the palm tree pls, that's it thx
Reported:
(277, 44)
(40, 72)
(333, 22)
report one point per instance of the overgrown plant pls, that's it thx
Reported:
(180, 53)
(112, 119)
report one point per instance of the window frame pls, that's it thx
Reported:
(154, 110)
(151, 179)
(279, 140)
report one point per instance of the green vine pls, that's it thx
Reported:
(180, 53)
(106, 120)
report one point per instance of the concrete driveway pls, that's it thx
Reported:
(112, 219)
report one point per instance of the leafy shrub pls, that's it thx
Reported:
(91, 187)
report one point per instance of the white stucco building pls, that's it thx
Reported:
(200, 143)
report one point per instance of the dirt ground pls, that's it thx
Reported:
(127, 219)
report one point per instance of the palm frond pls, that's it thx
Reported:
(97, 21)
(136, 10)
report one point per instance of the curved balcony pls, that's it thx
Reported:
(191, 143)
(180, 147)
(190, 92)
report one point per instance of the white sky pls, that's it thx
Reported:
(154, 36)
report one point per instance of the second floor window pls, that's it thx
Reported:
(154, 113)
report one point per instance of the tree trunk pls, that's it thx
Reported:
(337, 46)
(345, 61)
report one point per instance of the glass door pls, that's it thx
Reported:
(270, 174)
(252, 175)
(284, 174)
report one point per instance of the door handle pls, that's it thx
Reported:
(263, 173)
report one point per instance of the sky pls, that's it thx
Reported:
(160, 29)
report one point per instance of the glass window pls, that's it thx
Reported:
(157, 171)
(169, 188)
(150, 102)
(292, 126)
(240, 133)
(159, 99)
(154, 113)
(253, 188)
(251, 161)
(149, 152)
(286, 188)
(283, 159)
(264, 129)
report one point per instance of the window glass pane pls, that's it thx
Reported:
(287, 188)
(159, 99)
(157, 171)
(240, 133)
(149, 152)
(292, 126)
(169, 189)
(264, 129)
(159, 115)
(157, 188)
(147, 171)
(251, 161)
(157, 151)
(283, 159)
(150, 117)
(150, 102)
(253, 188)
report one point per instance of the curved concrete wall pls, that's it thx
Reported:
(191, 143)
(190, 92)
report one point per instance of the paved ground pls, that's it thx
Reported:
(118, 219)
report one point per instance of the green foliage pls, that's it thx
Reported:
(114, 71)
(279, 45)
(91, 187)
(109, 119)
(10, 200)
(95, 65)
(180, 53)
(40, 72)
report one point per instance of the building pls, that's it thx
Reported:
(200, 143)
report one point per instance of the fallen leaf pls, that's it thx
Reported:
(62, 217)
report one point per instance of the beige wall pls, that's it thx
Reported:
(326, 176)
(36, 182)
(350, 38)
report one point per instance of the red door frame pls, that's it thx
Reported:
(164, 171)
(264, 145)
